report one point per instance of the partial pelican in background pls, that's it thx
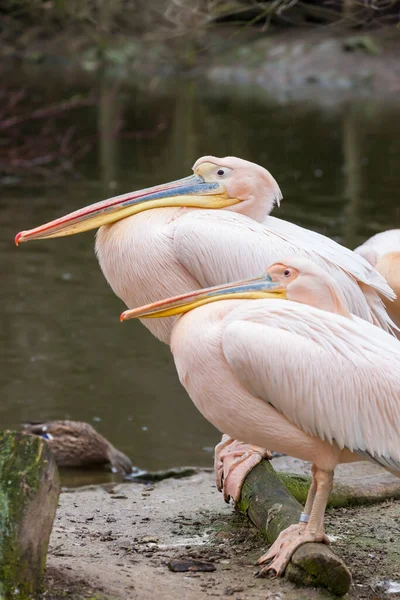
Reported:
(382, 251)
(293, 371)
(166, 240)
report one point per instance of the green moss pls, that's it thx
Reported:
(244, 502)
(311, 573)
(15, 485)
(297, 485)
(339, 583)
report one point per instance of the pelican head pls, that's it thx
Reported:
(216, 183)
(253, 186)
(295, 279)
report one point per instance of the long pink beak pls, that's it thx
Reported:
(248, 289)
(190, 191)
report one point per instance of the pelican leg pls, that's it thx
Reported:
(305, 517)
(293, 530)
(233, 461)
(219, 453)
(294, 536)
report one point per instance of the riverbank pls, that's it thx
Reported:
(325, 65)
(177, 538)
(319, 65)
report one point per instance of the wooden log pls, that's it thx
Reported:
(370, 490)
(272, 508)
(29, 490)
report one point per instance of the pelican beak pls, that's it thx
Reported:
(261, 287)
(191, 191)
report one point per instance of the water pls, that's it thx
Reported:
(65, 354)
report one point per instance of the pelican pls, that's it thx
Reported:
(170, 239)
(382, 251)
(290, 369)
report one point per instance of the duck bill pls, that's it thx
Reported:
(251, 289)
(191, 191)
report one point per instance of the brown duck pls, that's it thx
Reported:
(77, 444)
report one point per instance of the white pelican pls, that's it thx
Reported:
(308, 380)
(382, 251)
(156, 242)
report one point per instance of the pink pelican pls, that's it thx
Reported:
(169, 239)
(290, 370)
(382, 251)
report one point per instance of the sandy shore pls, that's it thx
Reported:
(120, 542)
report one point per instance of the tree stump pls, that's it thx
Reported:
(29, 490)
(272, 508)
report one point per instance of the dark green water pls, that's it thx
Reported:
(64, 352)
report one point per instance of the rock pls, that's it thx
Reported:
(29, 491)
(190, 565)
(149, 539)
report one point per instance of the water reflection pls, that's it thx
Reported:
(65, 355)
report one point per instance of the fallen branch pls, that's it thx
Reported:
(372, 490)
(272, 508)
(47, 111)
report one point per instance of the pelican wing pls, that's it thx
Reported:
(335, 378)
(217, 247)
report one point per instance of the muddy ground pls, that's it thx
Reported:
(121, 541)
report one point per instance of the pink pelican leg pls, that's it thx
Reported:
(233, 461)
(289, 540)
(293, 530)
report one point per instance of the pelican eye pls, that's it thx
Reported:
(286, 272)
(220, 172)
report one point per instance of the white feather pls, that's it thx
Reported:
(333, 377)
(232, 245)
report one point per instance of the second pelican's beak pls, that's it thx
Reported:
(261, 287)
(191, 191)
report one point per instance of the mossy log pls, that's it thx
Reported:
(29, 490)
(370, 491)
(272, 508)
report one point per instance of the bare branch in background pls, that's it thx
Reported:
(32, 142)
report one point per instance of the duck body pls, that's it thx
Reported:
(78, 444)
